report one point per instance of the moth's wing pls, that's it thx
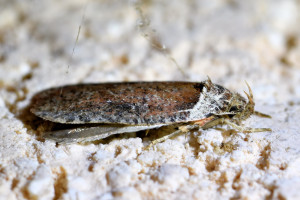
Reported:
(93, 133)
(135, 103)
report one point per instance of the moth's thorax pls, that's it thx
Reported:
(219, 101)
(214, 100)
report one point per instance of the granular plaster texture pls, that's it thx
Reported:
(229, 41)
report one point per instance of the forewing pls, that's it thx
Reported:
(142, 103)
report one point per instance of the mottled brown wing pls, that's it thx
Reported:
(143, 103)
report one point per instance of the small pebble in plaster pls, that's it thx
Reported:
(135, 106)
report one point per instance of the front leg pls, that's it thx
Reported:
(181, 130)
(220, 121)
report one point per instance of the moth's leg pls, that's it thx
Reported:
(220, 121)
(245, 129)
(212, 123)
(181, 130)
(262, 114)
(147, 132)
(205, 121)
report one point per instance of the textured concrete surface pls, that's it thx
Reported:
(229, 41)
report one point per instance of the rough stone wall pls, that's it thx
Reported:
(229, 41)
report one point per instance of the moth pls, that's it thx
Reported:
(116, 108)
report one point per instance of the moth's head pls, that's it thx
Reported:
(240, 107)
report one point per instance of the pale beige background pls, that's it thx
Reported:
(230, 41)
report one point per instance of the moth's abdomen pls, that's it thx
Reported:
(119, 103)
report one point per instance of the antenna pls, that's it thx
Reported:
(143, 25)
(77, 37)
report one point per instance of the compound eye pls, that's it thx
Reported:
(233, 109)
